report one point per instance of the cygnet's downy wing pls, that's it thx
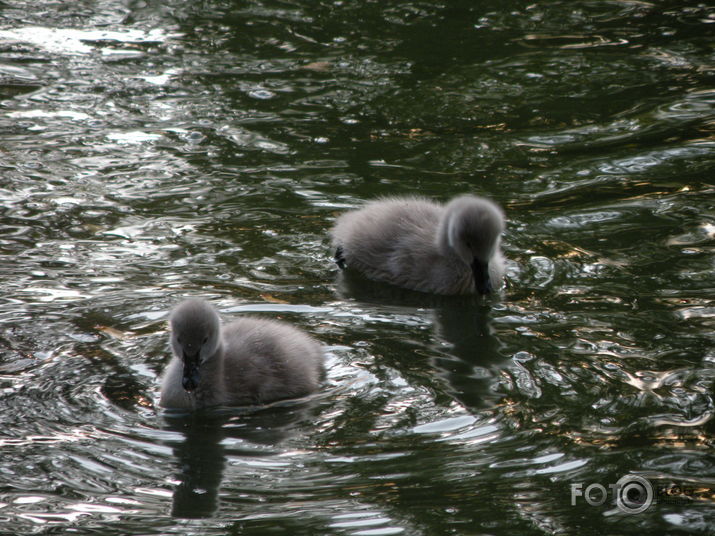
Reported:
(267, 360)
(378, 239)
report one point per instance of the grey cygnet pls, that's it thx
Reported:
(421, 245)
(247, 361)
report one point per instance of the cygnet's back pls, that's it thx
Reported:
(247, 361)
(421, 245)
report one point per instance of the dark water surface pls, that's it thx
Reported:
(155, 150)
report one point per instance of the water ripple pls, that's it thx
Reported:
(152, 154)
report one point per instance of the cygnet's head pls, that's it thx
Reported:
(473, 228)
(195, 337)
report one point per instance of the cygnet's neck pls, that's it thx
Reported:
(211, 380)
(216, 360)
(443, 240)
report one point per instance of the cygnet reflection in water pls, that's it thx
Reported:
(418, 244)
(247, 361)
(210, 436)
(468, 357)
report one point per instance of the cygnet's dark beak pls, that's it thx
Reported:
(482, 283)
(191, 377)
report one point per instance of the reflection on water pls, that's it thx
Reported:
(201, 458)
(209, 437)
(152, 153)
(464, 357)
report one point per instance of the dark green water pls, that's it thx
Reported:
(155, 150)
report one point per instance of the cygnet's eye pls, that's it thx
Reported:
(206, 339)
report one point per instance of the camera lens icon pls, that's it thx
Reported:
(634, 494)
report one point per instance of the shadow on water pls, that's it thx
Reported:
(468, 357)
(211, 436)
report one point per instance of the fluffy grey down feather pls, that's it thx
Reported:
(418, 244)
(247, 361)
